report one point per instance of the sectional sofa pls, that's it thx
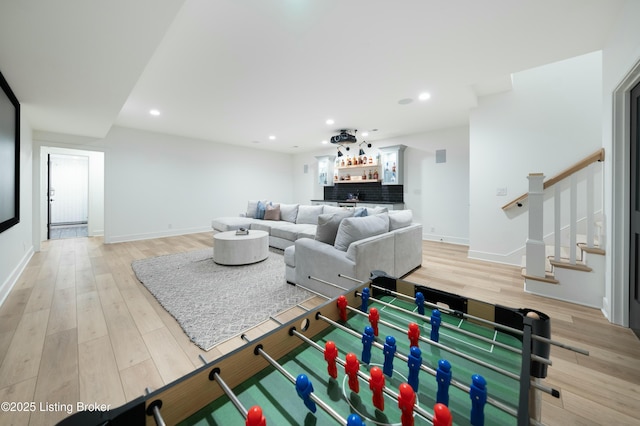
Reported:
(323, 242)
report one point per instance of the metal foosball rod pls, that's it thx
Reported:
(154, 410)
(446, 348)
(553, 392)
(472, 317)
(461, 331)
(465, 388)
(215, 375)
(419, 410)
(259, 351)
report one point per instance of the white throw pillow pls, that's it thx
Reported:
(399, 219)
(309, 214)
(358, 228)
(289, 212)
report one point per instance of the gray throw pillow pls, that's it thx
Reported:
(358, 228)
(289, 212)
(399, 219)
(309, 214)
(328, 226)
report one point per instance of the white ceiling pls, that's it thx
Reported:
(239, 71)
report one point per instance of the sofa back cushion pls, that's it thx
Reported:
(358, 228)
(328, 224)
(309, 214)
(289, 212)
(399, 219)
(326, 209)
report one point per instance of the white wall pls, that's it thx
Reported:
(550, 120)
(621, 61)
(438, 194)
(16, 243)
(159, 185)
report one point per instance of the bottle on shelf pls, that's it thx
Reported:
(375, 175)
(364, 175)
(370, 174)
(342, 163)
(370, 160)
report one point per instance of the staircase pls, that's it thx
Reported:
(569, 262)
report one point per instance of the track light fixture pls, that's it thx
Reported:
(340, 154)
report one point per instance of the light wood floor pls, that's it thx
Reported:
(78, 326)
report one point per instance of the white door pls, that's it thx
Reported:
(68, 189)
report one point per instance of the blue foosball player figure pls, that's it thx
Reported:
(443, 377)
(389, 351)
(436, 320)
(367, 341)
(420, 302)
(414, 361)
(478, 395)
(365, 299)
(354, 420)
(304, 387)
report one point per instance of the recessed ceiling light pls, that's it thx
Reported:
(365, 134)
(324, 142)
(330, 122)
(272, 137)
(405, 101)
(424, 96)
(154, 112)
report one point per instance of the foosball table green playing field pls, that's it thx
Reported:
(387, 353)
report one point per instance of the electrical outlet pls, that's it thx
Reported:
(501, 192)
(433, 229)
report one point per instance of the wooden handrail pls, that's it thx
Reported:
(596, 156)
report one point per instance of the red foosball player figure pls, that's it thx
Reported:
(376, 384)
(342, 306)
(330, 355)
(441, 415)
(414, 334)
(351, 367)
(374, 317)
(255, 417)
(406, 400)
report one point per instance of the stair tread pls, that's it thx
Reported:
(566, 263)
(548, 278)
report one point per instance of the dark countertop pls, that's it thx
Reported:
(361, 201)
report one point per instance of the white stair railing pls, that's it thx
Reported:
(535, 246)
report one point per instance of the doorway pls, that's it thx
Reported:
(634, 216)
(68, 196)
(94, 215)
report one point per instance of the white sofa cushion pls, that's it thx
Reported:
(399, 219)
(328, 225)
(358, 228)
(309, 214)
(288, 212)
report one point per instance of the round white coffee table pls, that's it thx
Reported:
(232, 249)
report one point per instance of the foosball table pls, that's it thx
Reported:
(388, 352)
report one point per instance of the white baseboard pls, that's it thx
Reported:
(513, 258)
(152, 235)
(12, 279)
(446, 239)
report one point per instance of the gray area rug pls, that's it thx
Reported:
(212, 302)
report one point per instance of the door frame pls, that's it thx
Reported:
(40, 196)
(618, 262)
